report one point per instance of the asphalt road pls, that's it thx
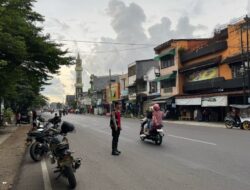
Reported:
(191, 157)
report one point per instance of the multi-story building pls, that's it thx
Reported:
(137, 83)
(168, 57)
(98, 90)
(214, 75)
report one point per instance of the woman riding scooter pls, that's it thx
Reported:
(157, 117)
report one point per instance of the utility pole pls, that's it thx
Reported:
(247, 23)
(110, 92)
(243, 65)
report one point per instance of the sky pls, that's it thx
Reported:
(144, 22)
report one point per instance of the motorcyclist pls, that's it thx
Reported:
(157, 117)
(55, 120)
(147, 120)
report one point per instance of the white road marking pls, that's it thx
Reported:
(46, 180)
(194, 140)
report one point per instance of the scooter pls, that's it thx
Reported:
(155, 135)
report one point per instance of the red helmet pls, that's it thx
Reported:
(156, 107)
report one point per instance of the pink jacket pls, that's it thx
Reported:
(157, 118)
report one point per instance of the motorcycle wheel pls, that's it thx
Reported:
(158, 140)
(68, 171)
(142, 138)
(246, 125)
(229, 124)
(36, 152)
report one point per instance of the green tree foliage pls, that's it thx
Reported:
(27, 57)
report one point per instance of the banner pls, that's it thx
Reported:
(188, 102)
(214, 101)
(203, 74)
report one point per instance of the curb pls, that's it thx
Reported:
(200, 124)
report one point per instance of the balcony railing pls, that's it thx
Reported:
(209, 49)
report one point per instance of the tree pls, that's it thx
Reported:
(27, 57)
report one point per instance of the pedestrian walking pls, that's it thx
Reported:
(34, 115)
(18, 118)
(115, 124)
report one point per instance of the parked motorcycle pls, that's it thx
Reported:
(155, 135)
(231, 122)
(53, 142)
(39, 127)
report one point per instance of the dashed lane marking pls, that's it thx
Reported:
(194, 140)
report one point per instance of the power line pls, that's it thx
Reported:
(114, 51)
(108, 43)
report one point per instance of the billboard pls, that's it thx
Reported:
(204, 74)
(115, 92)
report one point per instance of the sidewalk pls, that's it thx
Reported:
(5, 132)
(197, 123)
(12, 149)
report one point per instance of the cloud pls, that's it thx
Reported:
(248, 7)
(55, 91)
(127, 21)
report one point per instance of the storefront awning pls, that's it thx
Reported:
(170, 52)
(201, 65)
(163, 99)
(166, 77)
(212, 101)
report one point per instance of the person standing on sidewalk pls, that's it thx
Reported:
(18, 118)
(115, 124)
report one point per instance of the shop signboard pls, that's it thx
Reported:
(214, 101)
(188, 102)
(124, 93)
(115, 92)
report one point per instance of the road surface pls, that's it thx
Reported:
(191, 157)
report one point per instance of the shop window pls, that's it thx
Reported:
(152, 87)
(237, 71)
(167, 61)
(168, 83)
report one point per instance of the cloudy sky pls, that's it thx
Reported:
(79, 24)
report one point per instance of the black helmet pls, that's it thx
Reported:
(67, 127)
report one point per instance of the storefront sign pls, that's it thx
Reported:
(204, 74)
(132, 96)
(214, 101)
(188, 102)
(124, 93)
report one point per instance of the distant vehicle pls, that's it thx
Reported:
(239, 118)
(25, 118)
(77, 111)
